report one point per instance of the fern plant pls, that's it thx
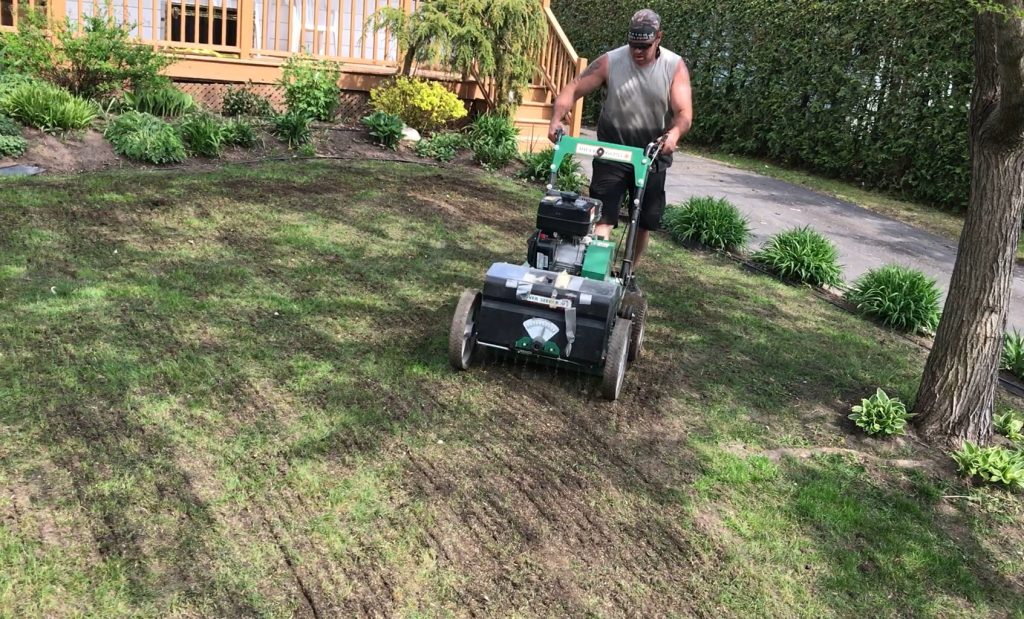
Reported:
(880, 414)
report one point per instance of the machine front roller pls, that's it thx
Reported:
(462, 338)
(615, 361)
(634, 306)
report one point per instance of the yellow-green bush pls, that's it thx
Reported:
(423, 105)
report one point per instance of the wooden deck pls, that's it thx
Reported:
(237, 41)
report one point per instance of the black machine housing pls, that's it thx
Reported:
(564, 219)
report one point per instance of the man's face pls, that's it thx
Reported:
(644, 53)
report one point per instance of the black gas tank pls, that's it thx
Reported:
(567, 214)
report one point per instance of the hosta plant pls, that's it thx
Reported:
(880, 415)
(900, 297)
(996, 464)
(1011, 425)
(713, 222)
(12, 145)
(441, 146)
(386, 129)
(802, 255)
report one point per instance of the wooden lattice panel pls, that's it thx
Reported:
(352, 104)
(211, 95)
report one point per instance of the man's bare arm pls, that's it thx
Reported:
(682, 108)
(590, 80)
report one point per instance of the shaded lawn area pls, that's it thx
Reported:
(227, 394)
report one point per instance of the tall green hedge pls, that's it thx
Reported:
(873, 91)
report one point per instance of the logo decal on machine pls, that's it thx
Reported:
(604, 153)
(550, 302)
(541, 330)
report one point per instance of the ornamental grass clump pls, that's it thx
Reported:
(902, 298)
(803, 255)
(715, 223)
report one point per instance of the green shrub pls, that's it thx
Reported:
(803, 255)
(239, 132)
(423, 105)
(9, 127)
(95, 63)
(1013, 353)
(880, 414)
(900, 297)
(12, 145)
(713, 222)
(1011, 425)
(537, 168)
(293, 127)
(996, 464)
(385, 128)
(48, 107)
(160, 99)
(493, 138)
(311, 86)
(144, 137)
(244, 102)
(202, 134)
(443, 146)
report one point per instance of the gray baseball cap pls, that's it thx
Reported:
(644, 26)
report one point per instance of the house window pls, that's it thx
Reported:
(187, 27)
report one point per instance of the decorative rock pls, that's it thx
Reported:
(410, 135)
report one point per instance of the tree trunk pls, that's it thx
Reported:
(957, 393)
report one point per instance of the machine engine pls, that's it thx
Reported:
(564, 236)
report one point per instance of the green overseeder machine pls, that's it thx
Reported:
(568, 304)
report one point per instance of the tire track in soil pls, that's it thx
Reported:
(530, 440)
(368, 589)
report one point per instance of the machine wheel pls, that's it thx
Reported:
(615, 361)
(462, 338)
(636, 336)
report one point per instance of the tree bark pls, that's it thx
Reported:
(957, 393)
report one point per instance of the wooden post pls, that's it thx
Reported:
(246, 26)
(577, 110)
(58, 10)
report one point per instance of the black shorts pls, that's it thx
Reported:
(611, 182)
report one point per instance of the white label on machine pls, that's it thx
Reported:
(542, 261)
(601, 152)
(541, 329)
(552, 303)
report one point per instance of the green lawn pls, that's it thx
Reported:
(226, 394)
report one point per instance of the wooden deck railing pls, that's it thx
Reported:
(559, 65)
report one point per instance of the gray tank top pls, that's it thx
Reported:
(636, 109)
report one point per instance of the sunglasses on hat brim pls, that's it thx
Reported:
(640, 46)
